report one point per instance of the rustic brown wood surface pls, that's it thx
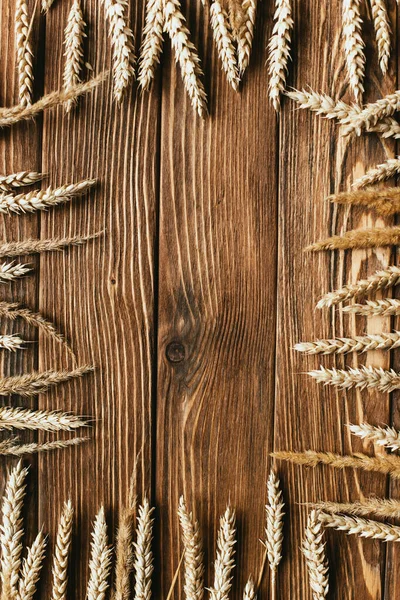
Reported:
(190, 303)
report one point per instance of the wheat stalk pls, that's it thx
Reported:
(11, 271)
(388, 464)
(100, 560)
(279, 50)
(249, 592)
(24, 418)
(373, 237)
(224, 41)
(354, 46)
(143, 564)
(246, 34)
(11, 342)
(30, 246)
(16, 180)
(224, 562)
(193, 554)
(372, 114)
(359, 343)
(382, 172)
(313, 549)
(15, 114)
(124, 550)
(385, 202)
(361, 378)
(11, 448)
(373, 308)
(382, 279)
(382, 32)
(386, 508)
(11, 531)
(31, 568)
(152, 42)
(61, 553)
(124, 59)
(74, 35)
(24, 54)
(388, 436)
(32, 384)
(363, 527)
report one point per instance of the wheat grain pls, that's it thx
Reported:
(249, 592)
(313, 549)
(143, 564)
(382, 32)
(364, 377)
(100, 560)
(388, 465)
(11, 271)
(388, 436)
(11, 531)
(152, 42)
(382, 172)
(32, 384)
(61, 553)
(186, 55)
(384, 202)
(46, 5)
(124, 59)
(24, 418)
(193, 554)
(74, 35)
(373, 308)
(359, 343)
(124, 550)
(16, 180)
(363, 527)
(224, 562)
(24, 54)
(224, 41)
(279, 50)
(11, 448)
(31, 568)
(374, 237)
(11, 342)
(246, 34)
(354, 46)
(380, 507)
(30, 246)
(372, 114)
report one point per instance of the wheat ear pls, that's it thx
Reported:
(24, 54)
(11, 271)
(32, 384)
(354, 46)
(74, 35)
(38, 420)
(224, 40)
(11, 448)
(12, 249)
(11, 342)
(46, 5)
(152, 42)
(362, 527)
(246, 34)
(313, 549)
(388, 465)
(100, 560)
(224, 561)
(249, 592)
(124, 59)
(193, 554)
(382, 172)
(61, 553)
(382, 32)
(274, 526)
(372, 114)
(124, 550)
(360, 343)
(15, 114)
(143, 564)
(31, 568)
(374, 237)
(186, 55)
(384, 308)
(11, 531)
(382, 279)
(279, 50)
(382, 436)
(8, 183)
(361, 378)
(384, 202)
(380, 507)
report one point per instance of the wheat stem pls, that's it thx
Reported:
(374, 237)
(32, 384)
(24, 54)
(279, 50)
(383, 308)
(8, 183)
(31, 568)
(354, 46)
(224, 562)
(143, 564)
(12, 249)
(100, 560)
(361, 378)
(152, 42)
(38, 420)
(74, 35)
(360, 343)
(380, 507)
(313, 549)
(362, 527)
(382, 32)
(224, 40)
(193, 554)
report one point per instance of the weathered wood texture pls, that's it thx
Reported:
(190, 303)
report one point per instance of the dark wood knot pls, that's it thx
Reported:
(175, 352)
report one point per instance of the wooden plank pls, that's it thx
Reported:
(217, 293)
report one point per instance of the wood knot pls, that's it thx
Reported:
(175, 352)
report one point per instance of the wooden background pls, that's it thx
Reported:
(190, 304)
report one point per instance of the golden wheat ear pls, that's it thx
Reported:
(100, 560)
(380, 507)
(62, 552)
(151, 49)
(24, 55)
(384, 202)
(143, 563)
(354, 46)
(74, 35)
(12, 249)
(313, 548)
(124, 550)
(193, 553)
(246, 34)
(364, 528)
(279, 51)
(34, 383)
(382, 32)
(360, 343)
(224, 41)
(374, 237)
(12, 417)
(274, 526)
(14, 181)
(31, 568)
(224, 561)
(382, 172)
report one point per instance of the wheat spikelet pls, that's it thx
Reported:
(143, 564)
(11, 448)
(364, 377)
(380, 507)
(372, 114)
(152, 42)
(46, 5)
(11, 342)
(12, 249)
(359, 343)
(124, 550)
(16, 180)
(23, 54)
(124, 59)
(193, 554)
(313, 549)
(31, 568)
(382, 32)
(224, 41)
(249, 592)
(32, 384)
(11, 271)
(382, 279)
(354, 46)
(224, 562)
(15, 114)
(388, 436)
(61, 553)
(100, 560)
(388, 465)
(186, 55)
(382, 172)
(279, 50)
(385, 202)
(374, 237)
(236, 15)
(363, 527)
(44, 420)
(246, 34)
(274, 526)
(74, 35)
(373, 308)
(11, 531)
